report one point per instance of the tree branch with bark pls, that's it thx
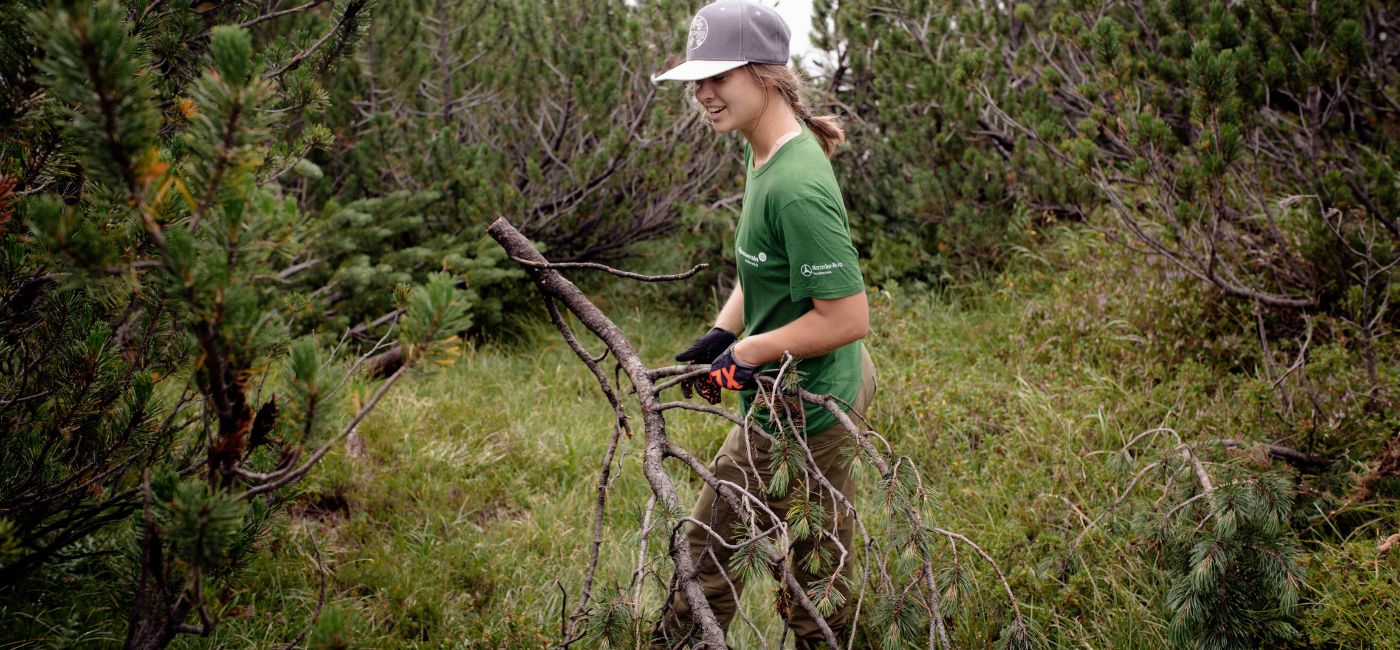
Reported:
(903, 490)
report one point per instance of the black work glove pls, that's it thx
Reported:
(730, 374)
(702, 384)
(709, 346)
(704, 350)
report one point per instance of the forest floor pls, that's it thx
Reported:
(463, 503)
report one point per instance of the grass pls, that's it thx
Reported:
(465, 501)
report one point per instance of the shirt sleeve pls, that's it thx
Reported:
(822, 261)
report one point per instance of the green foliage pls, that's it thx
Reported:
(1238, 578)
(222, 146)
(540, 113)
(433, 309)
(309, 380)
(895, 622)
(452, 517)
(1347, 581)
(331, 631)
(751, 560)
(615, 624)
(148, 301)
(232, 52)
(789, 464)
(9, 542)
(902, 490)
(1223, 125)
(954, 584)
(97, 72)
(70, 447)
(201, 523)
(1195, 123)
(1021, 635)
(937, 194)
(824, 592)
(806, 518)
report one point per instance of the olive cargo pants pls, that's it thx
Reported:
(831, 449)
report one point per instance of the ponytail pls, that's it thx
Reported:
(790, 84)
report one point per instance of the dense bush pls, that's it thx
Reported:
(459, 113)
(1251, 145)
(153, 372)
(937, 192)
(1248, 147)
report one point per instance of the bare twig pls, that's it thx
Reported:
(320, 595)
(278, 14)
(298, 473)
(295, 62)
(622, 274)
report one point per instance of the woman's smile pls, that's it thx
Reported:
(739, 93)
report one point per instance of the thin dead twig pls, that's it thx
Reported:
(320, 597)
(603, 267)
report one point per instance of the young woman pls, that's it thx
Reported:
(800, 291)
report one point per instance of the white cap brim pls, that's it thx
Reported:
(697, 70)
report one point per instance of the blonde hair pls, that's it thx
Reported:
(790, 85)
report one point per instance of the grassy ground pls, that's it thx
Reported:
(466, 500)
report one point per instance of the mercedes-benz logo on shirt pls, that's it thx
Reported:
(821, 269)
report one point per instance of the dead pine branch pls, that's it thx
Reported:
(769, 535)
(555, 286)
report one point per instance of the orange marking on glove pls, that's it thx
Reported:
(729, 376)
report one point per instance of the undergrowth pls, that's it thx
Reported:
(463, 503)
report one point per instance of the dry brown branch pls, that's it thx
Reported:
(761, 521)
(1299, 459)
(555, 286)
(622, 274)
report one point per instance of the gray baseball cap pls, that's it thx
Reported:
(728, 34)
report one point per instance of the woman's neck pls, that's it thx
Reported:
(777, 126)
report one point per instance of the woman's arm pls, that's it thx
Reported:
(731, 316)
(830, 324)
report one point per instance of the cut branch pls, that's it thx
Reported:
(761, 521)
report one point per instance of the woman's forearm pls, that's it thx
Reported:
(812, 334)
(731, 316)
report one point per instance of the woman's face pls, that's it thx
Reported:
(731, 100)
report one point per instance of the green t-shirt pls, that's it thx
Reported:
(794, 244)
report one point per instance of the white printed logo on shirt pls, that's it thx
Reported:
(820, 269)
(753, 259)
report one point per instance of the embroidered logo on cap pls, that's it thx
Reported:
(699, 29)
